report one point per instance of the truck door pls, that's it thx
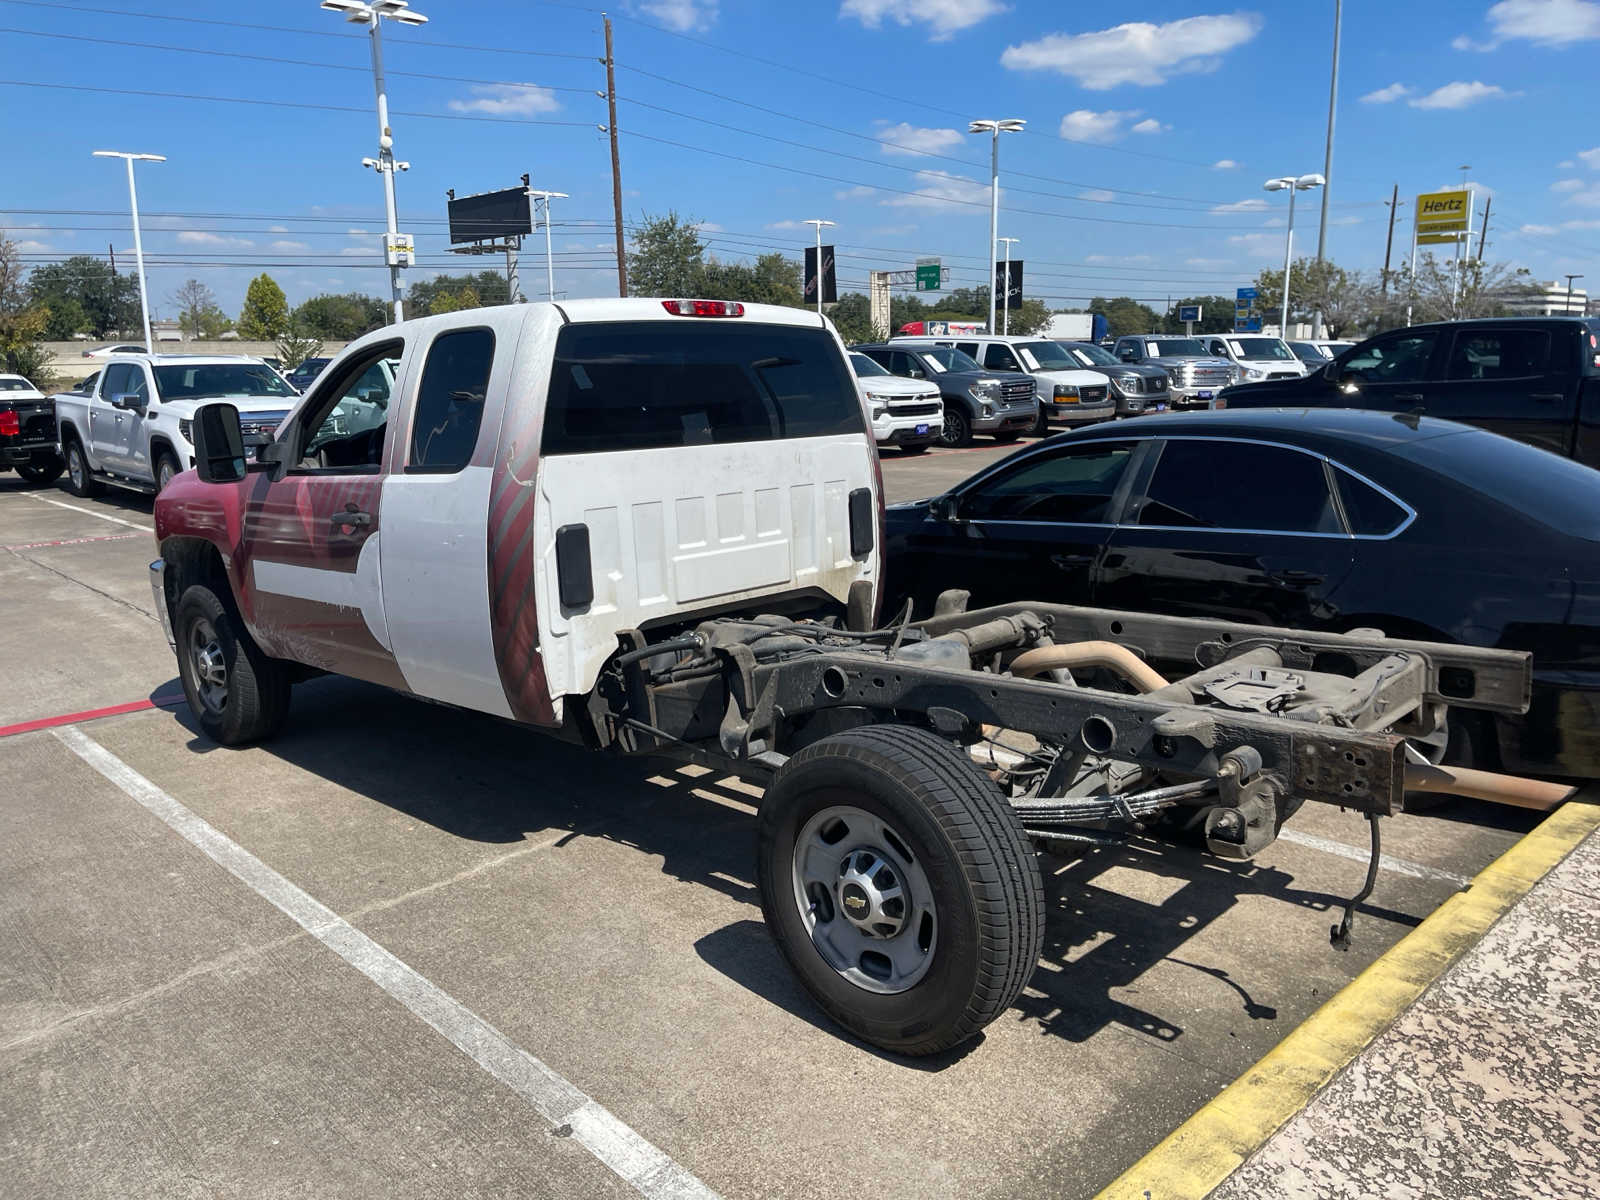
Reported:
(110, 428)
(435, 560)
(1392, 373)
(310, 540)
(1503, 379)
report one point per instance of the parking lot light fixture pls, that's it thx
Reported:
(994, 128)
(1290, 184)
(819, 223)
(361, 12)
(549, 262)
(138, 245)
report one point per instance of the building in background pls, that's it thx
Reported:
(1547, 300)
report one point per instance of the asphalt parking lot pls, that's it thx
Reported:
(479, 895)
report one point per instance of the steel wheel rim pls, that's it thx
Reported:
(864, 900)
(208, 665)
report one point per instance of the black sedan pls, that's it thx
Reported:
(1318, 519)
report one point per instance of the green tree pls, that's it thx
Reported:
(296, 344)
(457, 301)
(852, 316)
(1347, 299)
(489, 285)
(109, 302)
(1125, 315)
(668, 258)
(198, 314)
(1444, 291)
(22, 321)
(66, 320)
(265, 315)
(343, 317)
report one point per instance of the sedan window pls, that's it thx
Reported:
(1074, 486)
(1201, 484)
(1369, 511)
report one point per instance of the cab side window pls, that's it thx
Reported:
(1001, 359)
(908, 365)
(1401, 358)
(450, 399)
(125, 379)
(346, 424)
(1499, 354)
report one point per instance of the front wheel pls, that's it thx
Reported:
(166, 468)
(900, 887)
(957, 429)
(237, 693)
(39, 474)
(1040, 426)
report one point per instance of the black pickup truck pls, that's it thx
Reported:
(27, 431)
(1536, 379)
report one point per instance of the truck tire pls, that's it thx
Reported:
(40, 474)
(166, 467)
(900, 887)
(957, 429)
(1041, 425)
(79, 481)
(238, 694)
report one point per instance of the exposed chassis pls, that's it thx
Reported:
(1264, 720)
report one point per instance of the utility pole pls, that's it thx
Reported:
(1327, 156)
(1567, 311)
(112, 251)
(1483, 234)
(1388, 245)
(616, 164)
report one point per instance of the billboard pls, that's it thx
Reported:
(488, 215)
(830, 283)
(1246, 317)
(1189, 313)
(1443, 212)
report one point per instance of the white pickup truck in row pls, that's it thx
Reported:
(131, 428)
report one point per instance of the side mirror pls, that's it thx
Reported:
(1125, 354)
(127, 400)
(218, 444)
(942, 508)
(278, 456)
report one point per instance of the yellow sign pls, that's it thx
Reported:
(1444, 212)
(1439, 239)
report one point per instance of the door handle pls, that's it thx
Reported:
(1068, 562)
(1412, 397)
(1548, 397)
(1296, 578)
(352, 518)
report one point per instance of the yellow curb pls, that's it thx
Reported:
(1212, 1144)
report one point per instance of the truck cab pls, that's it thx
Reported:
(131, 428)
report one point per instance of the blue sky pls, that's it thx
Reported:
(1149, 133)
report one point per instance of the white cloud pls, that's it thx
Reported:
(940, 188)
(906, 138)
(1207, 262)
(944, 18)
(1586, 199)
(1542, 22)
(1150, 125)
(194, 237)
(854, 193)
(1139, 52)
(356, 251)
(1086, 125)
(277, 229)
(1259, 245)
(288, 247)
(708, 227)
(32, 247)
(1459, 95)
(1274, 223)
(1575, 226)
(1590, 158)
(1224, 164)
(1254, 204)
(360, 233)
(786, 225)
(681, 16)
(1566, 164)
(1386, 95)
(1567, 185)
(1098, 195)
(1119, 259)
(507, 99)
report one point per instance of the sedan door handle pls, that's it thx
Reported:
(1548, 397)
(1412, 397)
(1070, 562)
(1296, 578)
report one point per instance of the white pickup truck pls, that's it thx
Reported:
(655, 527)
(132, 427)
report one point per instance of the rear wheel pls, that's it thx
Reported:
(956, 430)
(79, 481)
(900, 887)
(237, 693)
(41, 473)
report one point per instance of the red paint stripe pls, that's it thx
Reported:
(110, 537)
(91, 714)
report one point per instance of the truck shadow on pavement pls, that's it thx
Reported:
(489, 781)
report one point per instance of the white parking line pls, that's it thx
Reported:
(1400, 866)
(88, 511)
(629, 1156)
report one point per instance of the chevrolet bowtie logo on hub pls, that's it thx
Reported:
(855, 899)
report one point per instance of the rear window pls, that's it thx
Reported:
(641, 385)
(1552, 490)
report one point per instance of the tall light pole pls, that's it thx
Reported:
(1327, 153)
(1567, 311)
(819, 223)
(994, 128)
(1006, 320)
(549, 263)
(1291, 184)
(371, 14)
(138, 245)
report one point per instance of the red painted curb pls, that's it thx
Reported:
(92, 714)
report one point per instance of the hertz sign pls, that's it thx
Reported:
(1443, 216)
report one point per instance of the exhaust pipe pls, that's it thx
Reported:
(1487, 785)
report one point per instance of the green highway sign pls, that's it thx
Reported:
(928, 274)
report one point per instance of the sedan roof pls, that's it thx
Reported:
(1301, 426)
